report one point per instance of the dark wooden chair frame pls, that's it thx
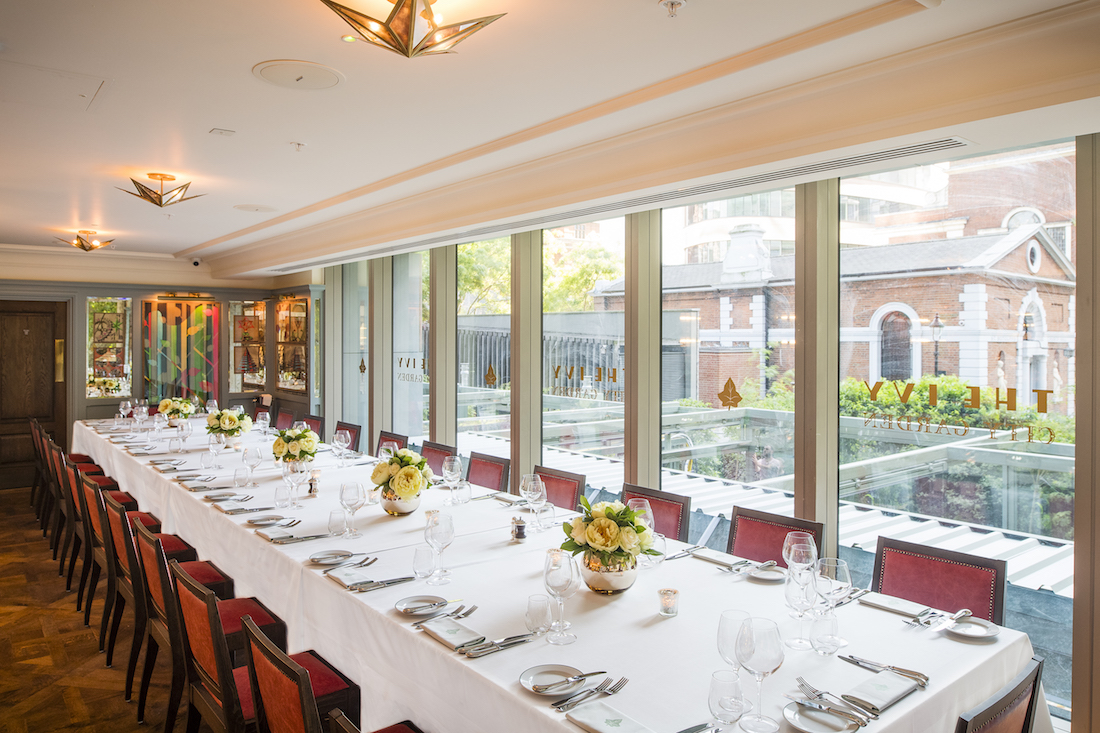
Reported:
(817, 529)
(339, 723)
(486, 458)
(384, 435)
(355, 430)
(320, 421)
(576, 478)
(978, 718)
(631, 491)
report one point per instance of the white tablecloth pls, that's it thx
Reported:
(405, 674)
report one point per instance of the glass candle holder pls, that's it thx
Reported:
(670, 601)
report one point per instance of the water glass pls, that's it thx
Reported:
(825, 633)
(240, 478)
(352, 496)
(388, 449)
(211, 406)
(186, 429)
(439, 534)
(252, 458)
(452, 472)
(460, 494)
(263, 422)
(660, 545)
(175, 445)
(282, 496)
(423, 561)
(533, 489)
(207, 460)
(538, 614)
(729, 626)
(725, 700)
(644, 511)
(337, 522)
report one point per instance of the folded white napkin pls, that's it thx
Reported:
(348, 577)
(599, 717)
(892, 603)
(451, 633)
(273, 533)
(229, 507)
(881, 691)
(508, 498)
(714, 556)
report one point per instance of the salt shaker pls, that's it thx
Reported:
(314, 480)
(519, 529)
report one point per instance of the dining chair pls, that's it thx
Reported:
(563, 489)
(434, 453)
(291, 693)
(339, 723)
(283, 419)
(316, 423)
(162, 630)
(353, 430)
(58, 507)
(943, 579)
(384, 436)
(1009, 710)
(488, 471)
(261, 410)
(671, 512)
(759, 536)
(38, 485)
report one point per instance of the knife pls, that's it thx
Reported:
(497, 648)
(685, 553)
(920, 679)
(478, 646)
(292, 540)
(855, 596)
(376, 584)
(255, 509)
(697, 728)
(428, 606)
(952, 619)
(828, 709)
(566, 681)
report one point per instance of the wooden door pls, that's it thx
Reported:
(32, 382)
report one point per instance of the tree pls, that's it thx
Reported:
(570, 271)
(485, 277)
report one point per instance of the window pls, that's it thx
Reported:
(411, 274)
(897, 351)
(356, 344)
(108, 348)
(247, 321)
(182, 354)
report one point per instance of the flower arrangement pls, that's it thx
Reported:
(611, 532)
(403, 476)
(296, 445)
(105, 385)
(171, 407)
(227, 422)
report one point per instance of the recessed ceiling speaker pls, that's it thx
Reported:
(291, 74)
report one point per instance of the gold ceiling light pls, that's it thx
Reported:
(85, 240)
(161, 199)
(672, 6)
(408, 32)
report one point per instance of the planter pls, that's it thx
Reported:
(608, 580)
(395, 505)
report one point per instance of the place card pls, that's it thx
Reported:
(599, 717)
(451, 633)
(881, 691)
(893, 603)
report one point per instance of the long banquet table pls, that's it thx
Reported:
(406, 674)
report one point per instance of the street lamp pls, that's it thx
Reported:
(937, 333)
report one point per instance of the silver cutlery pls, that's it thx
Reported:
(952, 619)
(815, 694)
(378, 584)
(292, 540)
(428, 606)
(609, 692)
(474, 654)
(452, 612)
(365, 562)
(250, 511)
(566, 681)
(917, 622)
(698, 728)
(853, 597)
(582, 695)
(918, 677)
(828, 709)
(479, 645)
(289, 523)
(684, 553)
(487, 496)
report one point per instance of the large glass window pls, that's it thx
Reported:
(727, 356)
(108, 347)
(292, 343)
(410, 345)
(247, 321)
(182, 349)
(356, 344)
(484, 346)
(584, 351)
(958, 380)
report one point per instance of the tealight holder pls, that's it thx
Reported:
(670, 602)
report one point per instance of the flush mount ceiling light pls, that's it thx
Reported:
(409, 32)
(161, 199)
(85, 240)
(672, 6)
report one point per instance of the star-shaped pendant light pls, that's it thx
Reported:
(160, 198)
(408, 32)
(85, 240)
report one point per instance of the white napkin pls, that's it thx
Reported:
(881, 691)
(508, 498)
(451, 633)
(599, 717)
(229, 507)
(273, 533)
(892, 603)
(714, 556)
(348, 577)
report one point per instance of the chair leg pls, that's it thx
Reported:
(151, 650)
(44, 517)
(135, 652)
(108, 605)
(72, 562)
(69, 532)
(92, 583)
(119, 604)
(86, 561)
(58, 516)
(193, 718)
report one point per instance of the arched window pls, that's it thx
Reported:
(897, 351)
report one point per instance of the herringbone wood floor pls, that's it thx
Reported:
(52, 676)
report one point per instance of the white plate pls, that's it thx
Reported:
(221, 496)
(548, 674)
(266, 520)
(769, 575)
(973, 628)
(414, 601)
(809, 720)
(329, 557)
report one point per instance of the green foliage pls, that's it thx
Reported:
(570, 272)
(485, 277)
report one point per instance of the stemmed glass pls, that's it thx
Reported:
(252, 457)
(186, 429)
(352, 496)
(388, 449)
(760, 651)
(294, 473)
(452, 472)
(159, 421)
(729, 626)
(833, 583)
(299, 425)
(141, 411)
(644, 514)
(263, 422)
(340, 443)
(561, 577)
(794, 539)
(799, 591)
(125, 408)
(439, 534)
(211, 406)
(217, 443)
(725, 700)
(532, 488)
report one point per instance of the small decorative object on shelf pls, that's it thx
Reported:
(611, 536)
(294, 444)
(175, 409)
(402, 478)
(227, 422)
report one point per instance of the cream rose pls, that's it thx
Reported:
(381, 474)
(294, 447)
(577, 532)
(308, 442)
(279, 448)
(393, 468)
(427, 471)
(629, 540)
(212, 420)
(603, 534)
(407, 483)
(229, 420)
(246, 423)
(164, 405)
(645, 539)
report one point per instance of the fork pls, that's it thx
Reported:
(365, 562)
(580, 696)
(416, 624)
(609, 692)
(290, 523)
(815, 694)
(918, 621)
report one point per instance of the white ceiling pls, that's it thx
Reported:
(94, 93)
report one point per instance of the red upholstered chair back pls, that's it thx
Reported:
(283, 419)
(261, 410)
(383, 437)
(671, 512)
(155, 570)
(1011, 709)
(69, 481)
(488, 471)
(563, 489)
(354, 430)
(281, 691)
(122, 533)
(434, 453)
(316, 424)
(759, 535)
(91, 505)
(949, 581)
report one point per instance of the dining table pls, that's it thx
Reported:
(406, 674)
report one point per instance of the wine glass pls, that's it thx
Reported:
(352, 496)
(760, 651)
(218, 441)
(263, 422)
(533, 489)
(140, 413)
(452, 472)
(560, 575)
(388, 449)
(799, 538)
(644, 514)
(299, 425)
(186, 429)
(341, 441)
(725, 700)
(800, 595)
(252, 457)
(439, 534)
(125, 408)
(211, 405)
(833, 583)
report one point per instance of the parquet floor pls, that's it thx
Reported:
(52, 676)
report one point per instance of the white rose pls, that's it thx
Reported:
(603, 534)
(308, 443)
(229, 420)
(578, 531)
(164, 405)
(645, 539)
(245, 423)
(393, 468)
(279, 448)
(294, 447)
(629, 540)
(404, 452)
(381, 474)
(212, 420)
(427, 471)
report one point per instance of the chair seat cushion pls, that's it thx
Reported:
(232, 610)
(398, 728)
(105, 482)
(203, 572)
(81, 458)
(176, 549)
(128, 502)
(89, 468)
(244, 691)
(322, 678)
(145, 518)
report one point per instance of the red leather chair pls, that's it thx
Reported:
(354, 430)
(671, 512)
(563, 489)
(1010, 710)
(434, 453)
(339, 723)
(942, 579)
(316, 423)
(283, 419)
(759, 535)
(383, 436)
(488, 471)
